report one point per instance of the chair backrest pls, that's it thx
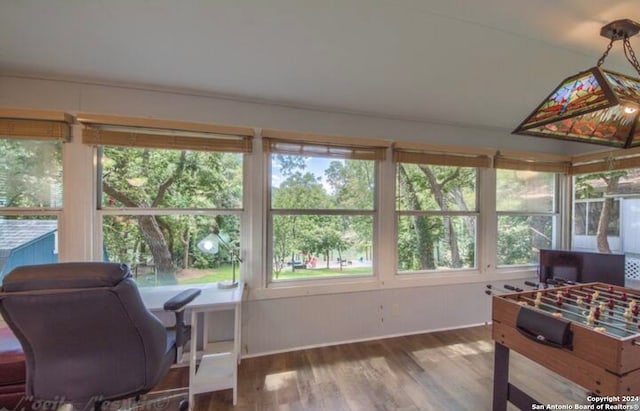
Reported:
(85, 331)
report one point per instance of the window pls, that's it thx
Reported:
(30, 191)
(322, 210)
(605, 209)
(172, 214)
(437, 211)
(526, 205)
(586, 217)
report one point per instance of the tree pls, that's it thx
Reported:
(298, 191)
(585, 189)
(30, 173)
(423, 231)
(434, 188)
(145, 178)
(343, 185)
(438, 188)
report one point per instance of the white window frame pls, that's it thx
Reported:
(435, 213)
(557, 238)
(55, 212)
(101, 212)
(319, 281)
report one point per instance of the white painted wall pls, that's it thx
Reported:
(276, 324)
(78, 97)
(283, 324)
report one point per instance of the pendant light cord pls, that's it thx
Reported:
(630, 54)
(606, 52)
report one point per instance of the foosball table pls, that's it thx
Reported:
(587, 333)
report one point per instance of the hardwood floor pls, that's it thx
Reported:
(449, 370)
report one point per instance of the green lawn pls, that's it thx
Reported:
(224, 272)
(321, 272)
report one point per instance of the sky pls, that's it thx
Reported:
(314, 165)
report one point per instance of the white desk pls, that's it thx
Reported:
(218, 362)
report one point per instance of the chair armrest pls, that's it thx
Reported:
(177, 302)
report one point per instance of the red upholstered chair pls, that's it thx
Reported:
(12, 370)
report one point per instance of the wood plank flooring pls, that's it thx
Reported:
(449, 370)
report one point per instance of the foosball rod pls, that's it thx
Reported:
(618, 303)
(507, 289)
(607, 292)
(573, 297)
(579, 315)
(600, 290)
(611, 317)
(504, 289)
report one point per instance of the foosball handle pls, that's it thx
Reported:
(512, 288)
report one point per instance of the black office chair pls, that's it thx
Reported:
(86, 334)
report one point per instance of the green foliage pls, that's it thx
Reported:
(520, 238)
(142, 178)
(312, 235)
(429, 242)
(30, 173)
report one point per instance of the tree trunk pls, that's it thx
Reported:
(438, 193)
(420, 224)
(185, 242)
(150, 227)
(603, 222)
(165, 267)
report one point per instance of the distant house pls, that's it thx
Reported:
(27, 242)
(623, 233)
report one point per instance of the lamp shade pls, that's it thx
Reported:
(595, 106)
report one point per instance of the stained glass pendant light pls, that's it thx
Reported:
(595, 106)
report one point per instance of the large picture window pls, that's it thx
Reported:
(159, 205)
(30, 191)
(322, 210)
(172, 214)
(605, 211)
(437, 217)
(526, 205)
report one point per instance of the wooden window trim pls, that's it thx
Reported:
(164, 134)
(605, 161)
(517, 160)
(305, 144)
(35, 124)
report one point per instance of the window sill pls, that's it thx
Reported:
(354, 284)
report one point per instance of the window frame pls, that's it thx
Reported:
(554, 214)
(271, 212)
(131, 133)
(328, 147)
(477, 213)
(44, 126)
(101, 212)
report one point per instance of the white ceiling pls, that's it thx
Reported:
(481, 63)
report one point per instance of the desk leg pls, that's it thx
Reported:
(193, 357)
(237, 344)
(238, 330)
(205, 329)
(500, 377)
